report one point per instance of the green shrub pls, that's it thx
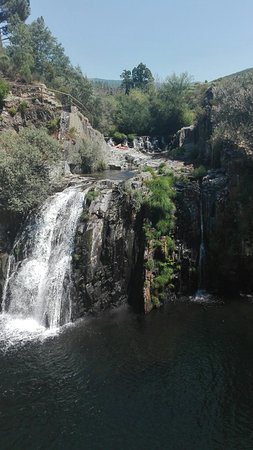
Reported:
(101, 166)
(158, 230)
(159, 204)
(25, 161)
(177, 153)
(23, 105)
(91, 155)
(155, 301)
(150, 170)
(131, 137)
(199, 172)
(162, 169)
(119, 137)
(91, 195)
(72, 133)
(13, 111)
(150, 264)
(4, 90)
(53, 125)
(165, 276)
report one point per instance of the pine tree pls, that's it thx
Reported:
(10, 8)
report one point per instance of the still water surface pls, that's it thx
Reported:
(179, 379)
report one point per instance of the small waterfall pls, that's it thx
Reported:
(38, 281)
(201, 248)
(201, 292)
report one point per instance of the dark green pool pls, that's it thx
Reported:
(179, 379)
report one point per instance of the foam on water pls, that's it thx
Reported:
(17, 332)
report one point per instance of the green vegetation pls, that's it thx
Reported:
(144, 108)
(233, 111)
(53, 125)
(24, 168)
(199, 172)
(4, 90)
(139, 78)
(92, 158)
(160, 219)
(33, 53)
(71, 133)
(22, 107)
(160, 208)
(91, 196)
(12, 111)
(10, 9)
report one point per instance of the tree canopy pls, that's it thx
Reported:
(139, 78)
(10, 8)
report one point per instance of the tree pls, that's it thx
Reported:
(20, 49)
(169, 108)
(127, 82)
(10, 8)
(141, 77)
(42, 43)
(50, 60)
(132, 113)
(175, 87)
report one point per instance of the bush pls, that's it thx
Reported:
(199, 172)
(23, 105)
(13, 111)
(25, 160)
(159, 204)
(4, 90)
(119, 137)
(71, 133)
(131, 137)
(158, 229)
(53, 125)
(91, 196)
(91, 155)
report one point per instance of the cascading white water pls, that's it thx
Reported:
(39, 282)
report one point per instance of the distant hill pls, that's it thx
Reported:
(108, 83)
(236, 74)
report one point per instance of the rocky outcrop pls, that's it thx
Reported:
(187, 234)
(29, 105)
(107, 261)
(227, 192)
(228, 195)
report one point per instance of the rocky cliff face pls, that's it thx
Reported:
(227, 192)
(29, 105)
(107, 263)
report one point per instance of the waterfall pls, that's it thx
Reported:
(201, 248)
(38, 283)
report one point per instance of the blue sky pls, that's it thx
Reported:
(208, 39)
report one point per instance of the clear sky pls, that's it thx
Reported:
(208, 39)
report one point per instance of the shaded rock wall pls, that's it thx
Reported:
(9, 226)
(227, 193)
(106, 263)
